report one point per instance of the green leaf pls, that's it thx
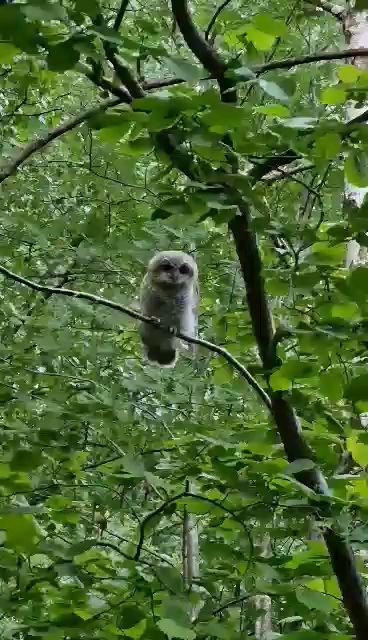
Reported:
(7, 52)
(243, 73)
(174, 630)
(184, 69)
(328, 146)
(129, 616)
(357, 389)
(170, 578)
(316, 600)
(346, 311)
(111, 135)
(327, 254)
(360, 5)
(358, 450)
(107, 34)
(62, 57)
(347, 72)
(26, 460)
(41, 10)
(278, 382)
(89, 7)
(356, 168)
(331, 385)
(333, 95)
(274, 111)
(272, 89)
(21, 531)
(261, 40)
(266, 23)
(298, 465)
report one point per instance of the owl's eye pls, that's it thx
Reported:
(185, 269)
(166, 266)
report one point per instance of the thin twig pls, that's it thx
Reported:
(42, 141)
(90, 297)
(214, 18)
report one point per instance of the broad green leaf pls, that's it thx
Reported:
(129, 616)
(107, 34)
(358, 450)
(137, 631)
(328, 146)
(242, 72)
(22, 533)
(266, 23)
(280, 382)
(170, 578)
(328, 254)
(346, 311)
(331, 384)
(62, 57)
(357, 388)
(348, 73)
(261, 40)
(26, 460)
(185, 69)
(39, 10)
(333, 95)
(7, 52)
(274, 111)
(89, 7)
(274, 90)
(299, 465)
(111, 135)
(356, 168)
(316, 600)
(174, 630)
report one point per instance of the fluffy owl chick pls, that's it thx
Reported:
(169, 292)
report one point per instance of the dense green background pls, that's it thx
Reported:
(93, 441)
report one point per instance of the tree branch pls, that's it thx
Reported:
(288, 63)
(10, 167)
(120, 14)
(202, 50)
(90, 297)
(214, 18)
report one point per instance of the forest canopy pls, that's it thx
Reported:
(226, 497)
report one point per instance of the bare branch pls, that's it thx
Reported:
(120, 14)
(10, 167)
(90, 297)
(202, 50)
(288, 63)
(158, 84)
(214, 18)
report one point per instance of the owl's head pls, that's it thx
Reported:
(173, 269)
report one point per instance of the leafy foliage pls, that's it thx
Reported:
(96, 446)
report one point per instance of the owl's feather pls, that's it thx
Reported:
(170, 293)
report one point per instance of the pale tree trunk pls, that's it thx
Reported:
(263, 603)
(355, 25)
(190, 552)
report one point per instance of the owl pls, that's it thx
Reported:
(169, 292)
